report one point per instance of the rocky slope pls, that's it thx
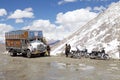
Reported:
(102, 31)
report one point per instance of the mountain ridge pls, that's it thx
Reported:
(102, 31)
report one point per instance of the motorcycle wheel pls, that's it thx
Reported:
(106, 57)
(87, 56)
(78, 56)
(92, 56)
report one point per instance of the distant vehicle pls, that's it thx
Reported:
(27, 42)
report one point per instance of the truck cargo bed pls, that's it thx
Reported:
(19, 38)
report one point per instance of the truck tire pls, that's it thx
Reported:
(29, 55)
(13, 53)
(42, 54)
(24, 54)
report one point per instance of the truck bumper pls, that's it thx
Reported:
(38, 52)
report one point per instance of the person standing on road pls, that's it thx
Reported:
(119, 50)
(66, 50)
(48, 50)
(86, 50)
(69, 48)
(102, 52)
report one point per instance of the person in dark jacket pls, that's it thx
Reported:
(69, 48)
(66, 50)
(119, 50)
(102, 52)
(48, 50)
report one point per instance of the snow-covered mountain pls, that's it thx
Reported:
(102, 31)
(52, 41)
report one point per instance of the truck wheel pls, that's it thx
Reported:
(29, 55)
(24, 55)
(42, 54)
(13, 54)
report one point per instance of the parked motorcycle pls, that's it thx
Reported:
(99, 55)
(84, 53)
(79, 53)
(75, 54)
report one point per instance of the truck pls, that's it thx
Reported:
(27, 42)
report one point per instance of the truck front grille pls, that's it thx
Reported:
(41, 48)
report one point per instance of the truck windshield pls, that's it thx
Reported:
(37, 41)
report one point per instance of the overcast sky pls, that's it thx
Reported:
(56, 18)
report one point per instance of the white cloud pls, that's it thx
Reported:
(68, 23)
(48, 29)
(89, 8)
(20, 14)
(19, 21)
(99, 9)
(75, 18)
(65, 1)
(4, 28)
(3, 12)
(28, 9)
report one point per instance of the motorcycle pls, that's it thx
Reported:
(75, 54)
(79, 53)
(84, 53)
(99, 55)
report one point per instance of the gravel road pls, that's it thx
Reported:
(57, 68)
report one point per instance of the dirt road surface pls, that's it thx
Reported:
(57, 68)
